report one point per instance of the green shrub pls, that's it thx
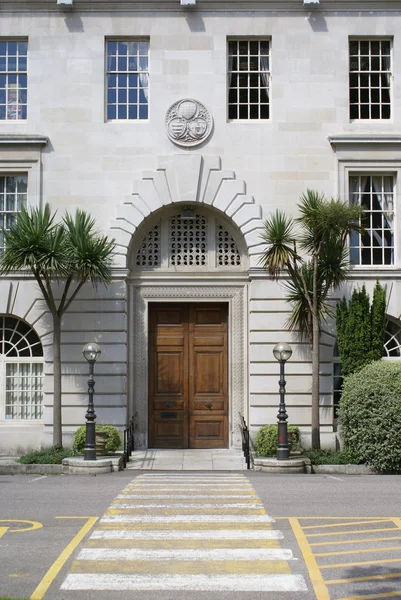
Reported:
(114, 439)
(329, 457)
(370, 415)
(267, 439)
(46, 456)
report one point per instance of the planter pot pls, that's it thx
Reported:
(101, 437)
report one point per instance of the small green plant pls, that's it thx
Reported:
(47, 456)
(113, 440)
(329, 457)
(267, 439)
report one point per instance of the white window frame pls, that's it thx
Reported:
(17, 39)
(370, 154)
(106, 73)
(269, 72)
(380, 72)
(376, 173)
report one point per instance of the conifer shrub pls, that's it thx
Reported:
(267, 439)
(370, 415)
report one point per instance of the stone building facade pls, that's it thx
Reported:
(180, 126)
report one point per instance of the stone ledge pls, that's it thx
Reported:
(272, 465)
(343, 470)
(79, 466)
(116, 463)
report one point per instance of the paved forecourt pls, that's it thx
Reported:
(185, 532)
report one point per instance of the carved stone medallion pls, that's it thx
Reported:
(188, 122)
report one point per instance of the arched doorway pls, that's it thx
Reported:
(188, 276)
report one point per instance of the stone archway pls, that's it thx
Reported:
(196, 180)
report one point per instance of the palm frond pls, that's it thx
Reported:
(279, 237)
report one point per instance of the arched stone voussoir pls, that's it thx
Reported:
(246, 213)
(214, 183)
(228, 192)
(132, 213)
(145, 189)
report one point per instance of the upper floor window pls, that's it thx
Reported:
(370, 79)
(248, 79)
(13, 196)
(127, 75)
(21, 370)
(13, 80)
(375, 246)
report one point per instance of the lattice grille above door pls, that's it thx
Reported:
(180, 243)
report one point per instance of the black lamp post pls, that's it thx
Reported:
(91, 352)
(282, 352)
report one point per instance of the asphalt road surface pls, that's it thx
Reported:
(221, 535)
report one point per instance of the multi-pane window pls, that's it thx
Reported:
(127, 75)
(370, 79)
(21, 370)
(248, 79)
(375, 245)
(13, 196)
(337, 381)
(13, 80)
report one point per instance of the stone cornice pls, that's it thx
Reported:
(23, 140)
(364, 139)
(277, 6)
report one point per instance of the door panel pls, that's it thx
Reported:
(168, 376)
(188, 399)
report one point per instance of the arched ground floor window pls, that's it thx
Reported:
(21, 371)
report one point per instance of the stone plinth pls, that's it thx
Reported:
(272, 465)
(79, 466)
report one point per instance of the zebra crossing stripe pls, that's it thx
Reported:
(185, 519)
(191, 496)
(219, 534)
(216, 583)
(117, 505)
(187, 554)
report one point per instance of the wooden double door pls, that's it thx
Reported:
(188, 376)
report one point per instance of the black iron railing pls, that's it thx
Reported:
(245, 441)
(128, 441)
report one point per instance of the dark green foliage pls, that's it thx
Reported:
(47, 456)
(361, 328)
(267, 439)
(378, 319)
(113, 441)
(328, 457)
(370, 415)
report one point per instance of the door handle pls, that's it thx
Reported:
(168, 404)
(208, 405)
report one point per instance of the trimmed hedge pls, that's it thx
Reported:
(114, 438)
(370, 415)
(267, 439)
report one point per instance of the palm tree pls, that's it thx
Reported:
(69, 253)
(320, 234)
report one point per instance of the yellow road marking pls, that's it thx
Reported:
(150, 567)
(3, 530)
(372, 596)
(346, 524)
(310, 561)
(397, 522)
(19, 574)
(61, 560)
(365, 550)
(353, 531)
(365, 578)
(357, 564)
(365, 541)
(34, 525)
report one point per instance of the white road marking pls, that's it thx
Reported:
(221, 583)
(191, 496)
(186, 519)
(37, 478)
(249, 505)
(219, 534)
(190, 554)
